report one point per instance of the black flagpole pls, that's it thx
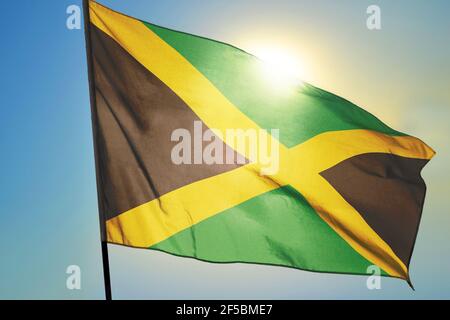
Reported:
(87, 33)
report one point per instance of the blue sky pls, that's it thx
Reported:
(48, 206)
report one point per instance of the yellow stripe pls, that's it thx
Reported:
(344, 219)
(314, 157)
(170, 67)
(330, 148)
(300, 166)
(161, 218)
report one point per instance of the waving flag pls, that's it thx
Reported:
(348, 193)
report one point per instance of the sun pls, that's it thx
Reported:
(281, 61)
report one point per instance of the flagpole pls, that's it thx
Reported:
(104, 243)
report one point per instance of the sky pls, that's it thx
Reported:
(48, 203)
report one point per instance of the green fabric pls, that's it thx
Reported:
(278, 227)
(299, 111)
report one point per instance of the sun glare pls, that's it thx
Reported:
(281, 63)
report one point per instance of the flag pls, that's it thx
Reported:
(347, 193)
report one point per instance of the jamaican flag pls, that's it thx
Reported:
(348, 193)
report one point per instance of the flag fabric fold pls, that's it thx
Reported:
(348, 193)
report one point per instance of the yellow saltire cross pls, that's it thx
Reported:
(300, 166)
